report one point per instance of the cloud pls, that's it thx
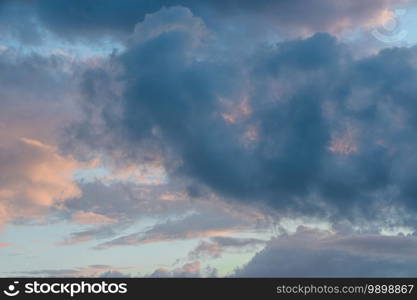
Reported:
(38, 101)
(35, 177)
(125, 201)
(82, 217)
(86, 19)
(200, 115)
(318, 117)
(220, 244)
(206, 249)
(39, 94)
(88, 235)
(89, 271)
(168, 20)
(119, 205)
(113, 274)
(197, 225)
(188, 270)
(25, 29)
(314, 253)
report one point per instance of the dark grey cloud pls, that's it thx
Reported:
(18, 68)
(38, 94)
(305, 97)
(25, 28)
(313, 253)
(89, 18)
(301, 126)
(289, 17)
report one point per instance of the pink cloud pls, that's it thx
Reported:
(344, 144)
(83, 217)
(34, 177)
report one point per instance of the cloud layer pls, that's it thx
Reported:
(176, 122)
(314, 253)
(302, 126)
(289, 18)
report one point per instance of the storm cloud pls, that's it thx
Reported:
(302, 126)
(315, 253)
(288, 17)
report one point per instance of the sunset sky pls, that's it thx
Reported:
(191, 138)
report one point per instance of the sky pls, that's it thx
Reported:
(224, 138)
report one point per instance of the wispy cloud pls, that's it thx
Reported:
(197, 225)
(89, 271)
(216, 246)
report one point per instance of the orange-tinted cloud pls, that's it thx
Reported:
(34, 177)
